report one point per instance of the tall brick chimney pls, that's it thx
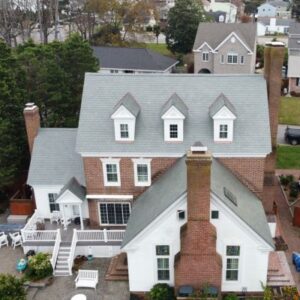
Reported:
(198, 263)
(273, 61)
(32, 123)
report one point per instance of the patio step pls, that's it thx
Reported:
(61, 267)
(117, 270)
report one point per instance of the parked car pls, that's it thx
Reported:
(292, 135)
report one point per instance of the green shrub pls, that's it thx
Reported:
(290, 178)
(11, 288)
(162, 291)
(294, 190)
(231, 297)
(39, 267)
(284, 180)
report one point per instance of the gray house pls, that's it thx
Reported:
(132, 60)
(294, 58)
(225, 48)
(275, 8)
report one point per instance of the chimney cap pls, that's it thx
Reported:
(30, 106)
(198, 147)
(275, 44)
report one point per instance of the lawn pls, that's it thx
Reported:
(289, 112)
(288, 157)
(160, 48)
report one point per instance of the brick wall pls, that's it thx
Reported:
(95, 184)
(198, 264)
(249, 170)
(293, 87)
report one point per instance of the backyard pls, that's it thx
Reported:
(289, 112)
(288, 157)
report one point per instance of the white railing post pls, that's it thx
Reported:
(105, 235)
(72, 251)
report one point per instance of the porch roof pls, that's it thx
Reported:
(73, 187)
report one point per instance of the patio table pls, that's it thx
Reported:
(79, 297)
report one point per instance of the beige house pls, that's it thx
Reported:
(294, 58)
(225, 48)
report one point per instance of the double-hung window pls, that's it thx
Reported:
(163, 262)
(232, 263)
(232, 58)
(142, 171)
(205, 56)
(52, 198)
(111, 172)
(173, 131)
(114, 213)
(124, 131)
(242, 59)
(223, 133)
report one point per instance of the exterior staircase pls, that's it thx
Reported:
(61, 267)
(118, 269)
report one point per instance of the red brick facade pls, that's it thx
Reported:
(249, 170)
(198, 263)
(293, 87)
(95, 182)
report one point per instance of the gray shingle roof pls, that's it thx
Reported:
(75, 188)
(279, 21)
(101, 92)
(219, 103)
(132, 59)
(177, 102)
(294, 36)
(249, 208)
(214, 33)
(54, 160)
(130, 103)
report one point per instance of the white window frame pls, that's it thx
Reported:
(242, 60)
(111, 161)
(205, 56)
(221, 131)
(114, 203)
(54, 197)
(127, 130)
(141, 161)
(232, 54)
(165, 257)
(238, 258)
(222, 59)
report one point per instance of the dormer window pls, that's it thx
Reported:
(174, 113)
(223, 114)
(124, 116)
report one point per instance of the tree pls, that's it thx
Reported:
(12, 132)
(296, 9)
(11, 288)
(182, 23)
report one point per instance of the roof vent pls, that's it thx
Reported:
(275, 44)
(198, 148)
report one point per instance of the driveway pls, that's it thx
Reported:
(281, 130)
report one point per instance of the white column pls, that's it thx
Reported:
(81, 219)
(64, 216)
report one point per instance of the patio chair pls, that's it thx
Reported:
(55, 217)
(65, 223)
(16, 239)
(3, 239)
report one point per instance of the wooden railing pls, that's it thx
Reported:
(72, 251)
(56, 249)
(100, 235)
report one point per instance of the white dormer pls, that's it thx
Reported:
(173, 114)
(223, 115)
(124, 117)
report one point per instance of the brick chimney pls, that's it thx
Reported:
(273, 60)
(198, 263)
(32, 123)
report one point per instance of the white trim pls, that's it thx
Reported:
(112, 161)
(66, 193)
(164, 154)
(205, 53)
(203, 44)
(237, 37)
(143, 161)
(116, 202)
(108, 197)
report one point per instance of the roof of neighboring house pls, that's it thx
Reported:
(214, 33)
(75, 188)
(54, 160)
(132, 59)
(277, 3)
(249, 208)
(221, 101)
(247, 93)
(294, 36)
(279, 21)
(294, 65)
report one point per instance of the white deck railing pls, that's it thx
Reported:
(72, 251)
(55, 249)
(31, 223)
(100, 235)
(39, 235)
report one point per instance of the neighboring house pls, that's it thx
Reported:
(281, 9)
(267, 26)
(227, 7)
(225, 48)
(294, 58)
(132, 60)
(183, 212)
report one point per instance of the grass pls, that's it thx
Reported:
(289, 112)
(160, 48)
(288, 157)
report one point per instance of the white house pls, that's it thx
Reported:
(227, 7)
(274, 8)
(267, 26)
